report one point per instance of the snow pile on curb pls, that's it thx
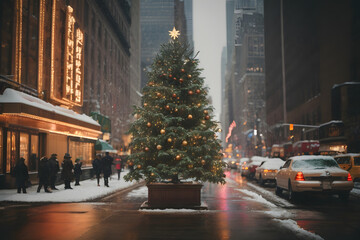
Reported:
(88, 190)
(294, 227)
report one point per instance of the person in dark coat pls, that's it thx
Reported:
(77, 171)
(21, 174)
(44, 174)
(67, 170)
(107, 162)
(97, 167)
(54, 169)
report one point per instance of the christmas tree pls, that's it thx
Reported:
(174, 134)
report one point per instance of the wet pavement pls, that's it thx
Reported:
(236, 211)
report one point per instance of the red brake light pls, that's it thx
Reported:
(349, 178)
(299, 177)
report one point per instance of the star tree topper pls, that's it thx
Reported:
(174, 33)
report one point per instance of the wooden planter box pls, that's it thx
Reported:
(174, 195)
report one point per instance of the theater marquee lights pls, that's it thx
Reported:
(73, 65)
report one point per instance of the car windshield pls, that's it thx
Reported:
(315, 163)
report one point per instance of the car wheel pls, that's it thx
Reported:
(278, 190)
(292, 194)
(261, 181)
(344, 196)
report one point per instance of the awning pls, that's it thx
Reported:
(18, 108)
(103, 146)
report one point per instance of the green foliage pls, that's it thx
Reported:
(174, 134)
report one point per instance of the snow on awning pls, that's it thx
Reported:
(13, 102)
(103, 146)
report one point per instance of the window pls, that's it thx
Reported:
(6, 40)
(34, 152)
(343, 160)
(287, 164)
(357, 161)
(11, 150)
(24, 147)
(83, 150)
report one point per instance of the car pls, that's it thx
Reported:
(250, 166)
(313, 174)
(231, 163)
(351, 163)
(266, 172)
(242, 164)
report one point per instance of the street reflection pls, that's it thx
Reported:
(60, 221)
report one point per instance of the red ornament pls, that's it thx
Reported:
(182, 70)
(174, 95)
(207, 117)
(170, 76)
(174, 78)
(189, 76)
(190, 92)
(197, 91)
(181, 80)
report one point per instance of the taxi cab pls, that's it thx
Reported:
(351, 163)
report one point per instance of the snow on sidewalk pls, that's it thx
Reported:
(88, 190)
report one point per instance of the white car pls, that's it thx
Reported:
(250, 167)
(313, 174)
(266, 172)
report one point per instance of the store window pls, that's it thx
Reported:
(24, 147)
(83, 150)
(34, 152)
(1, 152)
(11, 150)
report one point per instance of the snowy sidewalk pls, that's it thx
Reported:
(88, 190)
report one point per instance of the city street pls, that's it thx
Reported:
(237, 210)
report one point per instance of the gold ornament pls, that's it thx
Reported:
(197, 91)
(203, 162)
(189, 76)
(206, 111)
(184, 143)
(190, 116)
(190, 166)
(204, 138)
(199, 104)
(178, 157)
(203, 121)
(169, 140)
(152, 174)
(182, 70)
(181, 80)
(159, 147)
(146, 149)
(139, 166)
(158, 94)
(148, 124)
(190, 92)
(145, 104)
(176, 110)
(162, 131)
(151, 83)
(137, 116)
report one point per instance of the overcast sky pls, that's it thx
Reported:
(210, 37)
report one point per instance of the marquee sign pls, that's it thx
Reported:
(73, 65)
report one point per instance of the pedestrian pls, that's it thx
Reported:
(118, 166)
(77, 171)
(67, 170)
(54, 169)
(97, 167)
(44, 174)
(107, 162)
(21, 174)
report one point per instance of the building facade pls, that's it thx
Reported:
(311, 46)
(59, 61)
(158, 17)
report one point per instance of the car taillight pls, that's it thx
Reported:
(299, 177)
(349, 178)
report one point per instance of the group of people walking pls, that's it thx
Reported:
(49, 168)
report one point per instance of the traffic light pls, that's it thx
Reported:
(291, 127)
